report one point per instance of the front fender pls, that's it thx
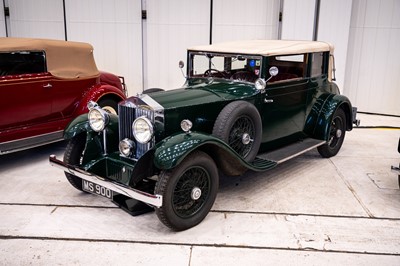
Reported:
(321, 115)
(81, 124)
(173, 150)
(94, 140)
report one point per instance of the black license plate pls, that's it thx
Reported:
(96, 189)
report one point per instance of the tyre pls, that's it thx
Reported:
(73, 156)
(239, 125)
(188, 191)
(110, 106)
(337, 131)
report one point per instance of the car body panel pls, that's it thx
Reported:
(36, 106)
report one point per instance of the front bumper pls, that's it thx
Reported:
(153, 200)
(396, 170)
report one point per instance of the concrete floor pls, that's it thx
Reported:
(307, 211)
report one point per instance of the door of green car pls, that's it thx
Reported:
(284, 100)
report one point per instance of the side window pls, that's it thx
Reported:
(291, 67)
(24, 62)
(317, 67)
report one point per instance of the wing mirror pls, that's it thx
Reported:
(181, 65)
(261, 83)
(273, 71)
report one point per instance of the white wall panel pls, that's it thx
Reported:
(239, 20)
(113, 27)
(334, 27)
(2, 21)
(298, 19)
(36, 18)
(373, 63)
(171, 27)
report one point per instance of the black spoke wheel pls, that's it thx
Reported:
(189, 191)
(73, 155)
(337, 132)
(241, 136)
(239, 125)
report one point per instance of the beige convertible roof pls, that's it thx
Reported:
(266, 47)
(64, 59)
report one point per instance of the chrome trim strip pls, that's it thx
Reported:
(151, 102)
(301, 152)
(4, 145)
(154, 200)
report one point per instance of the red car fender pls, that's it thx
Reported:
(96, 93)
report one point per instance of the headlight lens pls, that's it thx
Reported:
(98, 119)
(126, 147)
(142, 129)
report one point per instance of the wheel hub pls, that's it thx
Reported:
(246, 138)
(338, 133)
(196, 193)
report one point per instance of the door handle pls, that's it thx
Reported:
(48, 85)
(268, 100)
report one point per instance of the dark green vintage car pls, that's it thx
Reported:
(247, 105)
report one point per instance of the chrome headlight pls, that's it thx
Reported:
(142, 129)
(98, 119)
(126, 147)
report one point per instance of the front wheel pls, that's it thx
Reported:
(189, 191)
(73, 155)
(337, 131)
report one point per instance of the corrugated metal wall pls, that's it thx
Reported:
(373, 64)
(365, 33)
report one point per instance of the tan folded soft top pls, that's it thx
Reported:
(270, 48)
(266, 47)
(65, 59)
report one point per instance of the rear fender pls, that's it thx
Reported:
(96, 93)
(321, 115)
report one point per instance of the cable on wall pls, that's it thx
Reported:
(211, 19)
(65, 21)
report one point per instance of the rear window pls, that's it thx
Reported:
(317, 67)
(23, 62)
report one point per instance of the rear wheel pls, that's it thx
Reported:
(189, 191)
(337, 131)
(73, 155)
(110, 106)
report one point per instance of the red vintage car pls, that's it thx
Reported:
(44, 84)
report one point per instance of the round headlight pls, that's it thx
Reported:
(98, 119)
(142, 129)
(126, 147)
(186, 125)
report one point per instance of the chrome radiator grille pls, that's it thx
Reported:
(127, 115)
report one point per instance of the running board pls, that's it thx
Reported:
(293, 150)
(30, 142)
